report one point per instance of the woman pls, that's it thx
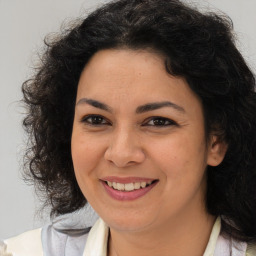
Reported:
(146, 110)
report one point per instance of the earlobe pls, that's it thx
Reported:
(216, 151)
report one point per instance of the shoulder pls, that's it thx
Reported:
(65, 235)
(251, 250)
(26, 244)
(46, 241)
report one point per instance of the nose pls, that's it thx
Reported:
(124, 149)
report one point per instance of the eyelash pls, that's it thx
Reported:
(93, 117)
(164, 121)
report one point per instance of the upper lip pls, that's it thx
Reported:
(126, 180)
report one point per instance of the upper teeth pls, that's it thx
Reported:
(128, 186)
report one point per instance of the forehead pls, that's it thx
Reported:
(132, 77)
(121, 67)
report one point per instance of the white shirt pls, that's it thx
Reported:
(217, 246)
(96, 241)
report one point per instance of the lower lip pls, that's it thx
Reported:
(128, 195)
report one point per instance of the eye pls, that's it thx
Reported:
(95, 120)
(159, 121)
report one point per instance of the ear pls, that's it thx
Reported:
(216, 151)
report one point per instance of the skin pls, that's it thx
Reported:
(171, 217)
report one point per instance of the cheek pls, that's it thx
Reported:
(85, 156)
(170, 151)
(180, 157)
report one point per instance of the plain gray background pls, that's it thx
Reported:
(23, 25)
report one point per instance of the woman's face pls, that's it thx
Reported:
(135, 126)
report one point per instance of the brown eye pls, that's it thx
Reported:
(95, 120)
(160, 121)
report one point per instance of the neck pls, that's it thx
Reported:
(182, 236)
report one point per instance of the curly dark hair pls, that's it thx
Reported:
(199, 47)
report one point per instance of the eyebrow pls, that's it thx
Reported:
(95, 104)
(156, 105)
(139, 110)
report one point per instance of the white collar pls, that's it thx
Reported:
(209, 251)
(97, 242)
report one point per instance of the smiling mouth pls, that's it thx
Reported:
(128, 187)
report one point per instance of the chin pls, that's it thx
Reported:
(131, 222)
